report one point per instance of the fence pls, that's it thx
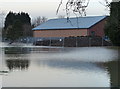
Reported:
(82, 41)
(72, 41)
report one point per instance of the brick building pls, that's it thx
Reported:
(81, 26)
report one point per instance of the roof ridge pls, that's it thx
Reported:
(79, 17)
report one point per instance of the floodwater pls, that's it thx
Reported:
(59, 66)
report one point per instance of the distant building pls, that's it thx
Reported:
(115, 0)
(81, 26)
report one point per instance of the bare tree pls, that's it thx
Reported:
(76, 6)
(39, 20)
(105, 3)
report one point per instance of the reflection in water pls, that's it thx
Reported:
(14, 57)
(63, 75)
(113, 68)
(65, 64)
(67, 67)
(17, 64)
(92, 54)
(0, 81)
(16, 50)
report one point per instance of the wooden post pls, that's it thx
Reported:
(102, 41)
(63, 42)
(89, 41)
(50, 41)
(35, 40)
(76, 41)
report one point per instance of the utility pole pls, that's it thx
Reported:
(1, 51)
(2, 19)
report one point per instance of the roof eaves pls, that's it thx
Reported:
(61, 29)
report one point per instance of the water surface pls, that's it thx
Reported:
(58, 66)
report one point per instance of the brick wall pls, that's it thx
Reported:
(60, 33)
(98, 28)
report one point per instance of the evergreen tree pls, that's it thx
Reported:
(112, 29)
(17, 25)
(15, 31)
(9, 20)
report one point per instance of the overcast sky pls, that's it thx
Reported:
(48, 8)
